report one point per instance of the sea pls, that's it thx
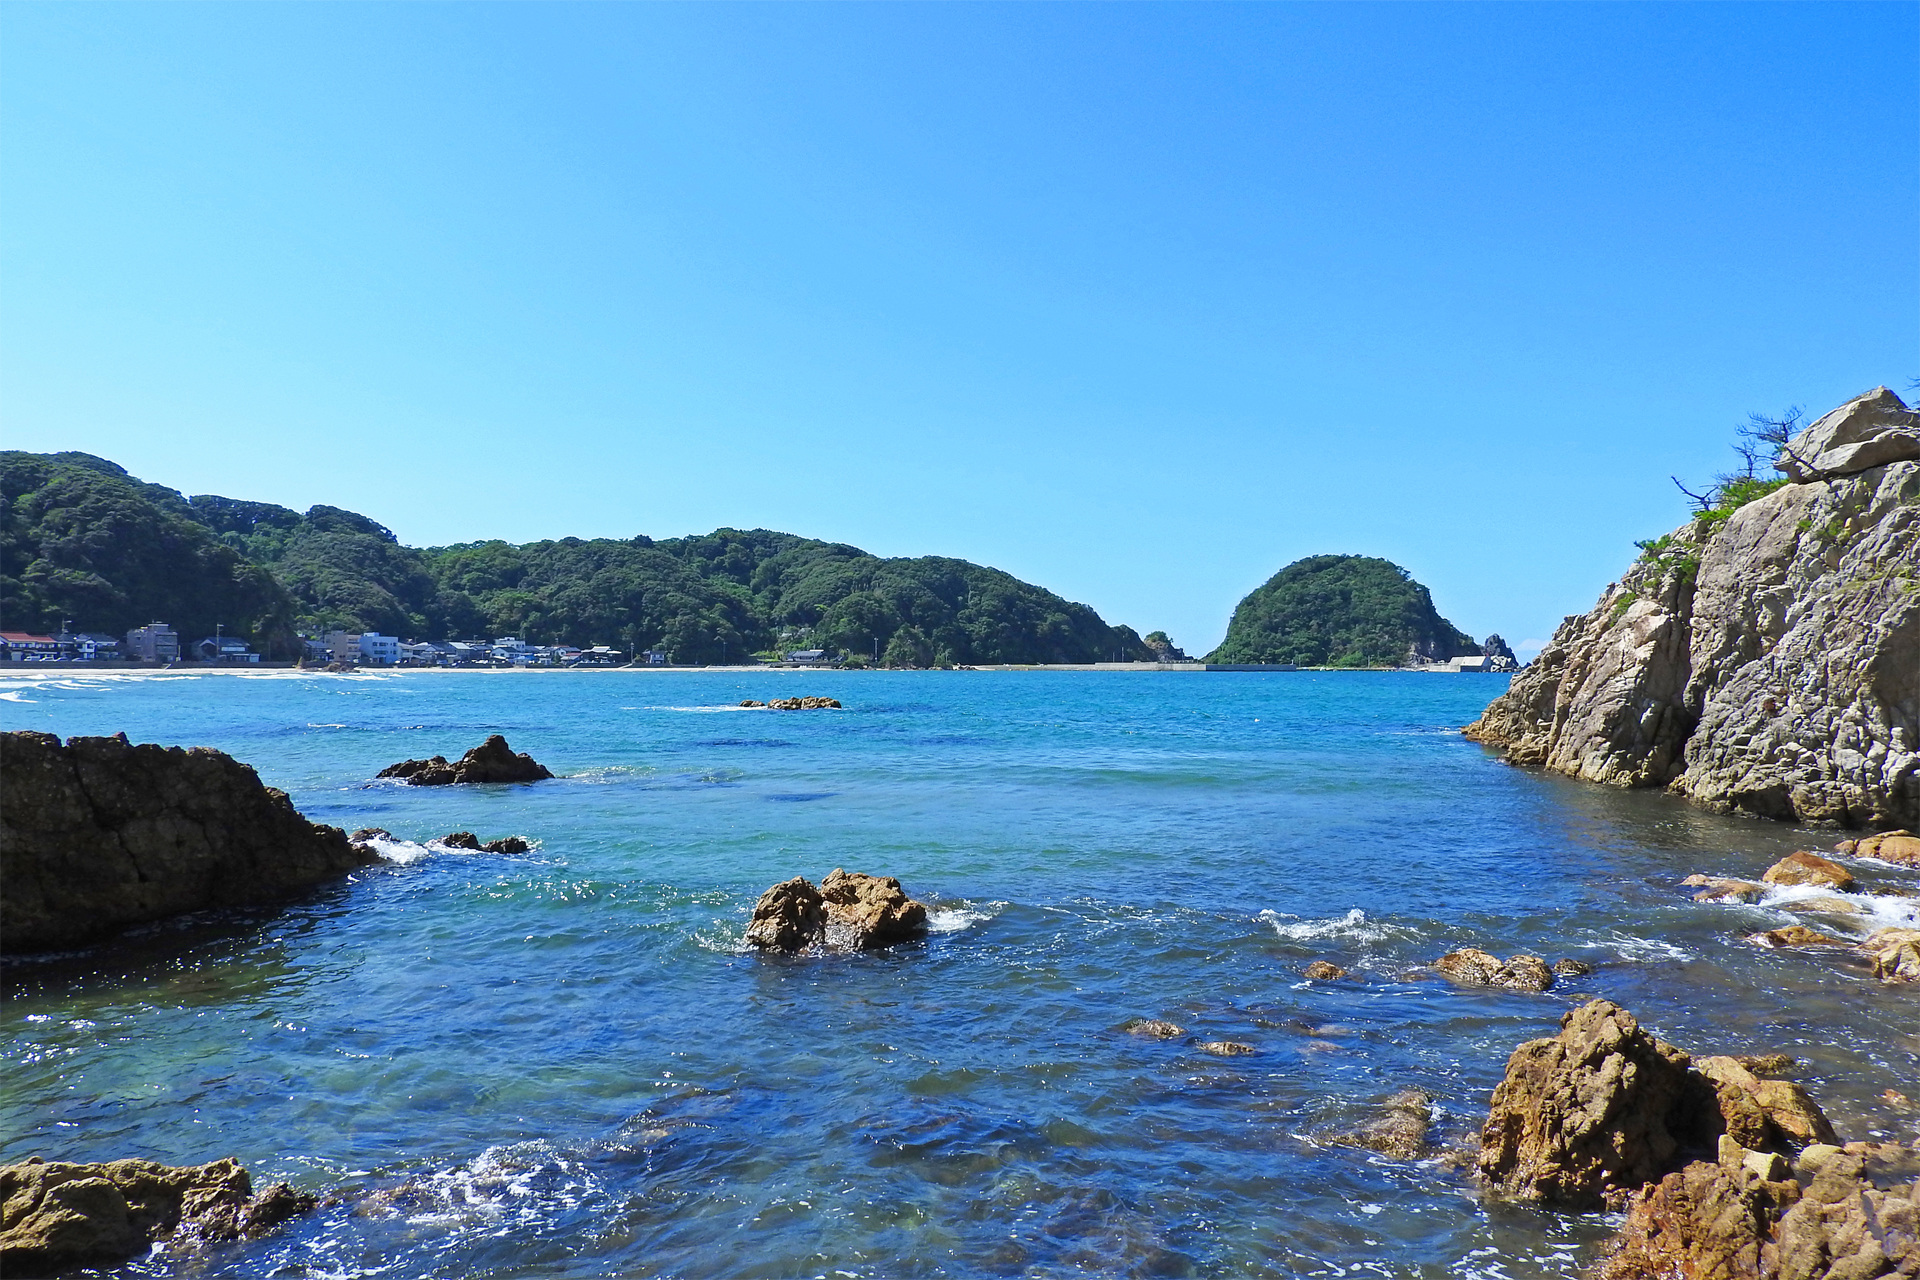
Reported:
(566, 1063)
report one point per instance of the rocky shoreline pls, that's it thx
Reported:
(1764, 658)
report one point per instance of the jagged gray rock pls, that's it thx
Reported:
(1769, 664)
(98, 834)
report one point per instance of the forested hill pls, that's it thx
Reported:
(1341, 611)
(81, 540)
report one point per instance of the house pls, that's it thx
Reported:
(343, 646)
(655, 657)
(226, 650)
(808, 657)
(26, 646)
(94, 646)
(600, 655)
(423, 653)
(378, 650)
(155, 642)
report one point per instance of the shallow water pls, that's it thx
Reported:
(563, 1064)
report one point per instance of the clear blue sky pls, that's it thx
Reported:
(1139, 302)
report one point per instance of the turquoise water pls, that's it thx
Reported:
(563, 1063)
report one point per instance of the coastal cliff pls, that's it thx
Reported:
(99, 834)
(1764, 657)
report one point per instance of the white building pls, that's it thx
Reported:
(378, 650)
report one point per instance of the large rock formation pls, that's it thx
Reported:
(849, 910)
(491, 761)
(59, 1216)
(99, 834)
(1342, 611)
(1764, 660)
(1592, 1114)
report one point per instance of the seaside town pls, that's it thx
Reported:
(157, 644)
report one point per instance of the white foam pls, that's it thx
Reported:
(1355, 925)
(519, 1185)
(401, 851)
(1873, 910)
(1630, 947)
(954, 919)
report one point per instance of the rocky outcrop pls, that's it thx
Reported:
(809, 703)
(1895, 954)
(59, 1216)
(1472, 967)
(98, 835)
(491, 761)
(1765, 660)
(1324, 971)
(849, 911)
(1154, 1029)
(1583, 1119)
(468, 840)
(1504, 658)
(1724, 1174)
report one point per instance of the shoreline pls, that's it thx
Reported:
(38, 669)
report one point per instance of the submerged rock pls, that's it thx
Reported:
(59, 1216)
(1324, 971)
(1718, 889)
(1472, 967)
(1767, 662)
(1399, 1129)
(491, 761)
(848, 909)
(1586, 1117)
(1569, 968)
(1802, 867)
(1796, 935)
(1225, 1048)
(1154, 1029)
(98, 835)
(808, 703)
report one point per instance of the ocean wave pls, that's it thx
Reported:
(1864, 912)
(953, 919)
(521, 1185)
(1632, 947)
(1356, 926)
(401, 851)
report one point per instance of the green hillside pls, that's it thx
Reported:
(1341, 611)
(265, 570)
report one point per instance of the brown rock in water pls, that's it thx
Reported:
(1399, 1130)
(1225, 1048)
(1594, 1113)
(461, 840)
(788, 916)
(1767, 663)
(1802, 867)
(804, 704)
(1707, 1221)
(1154, 1029)
(1718, 889)
(1324, 971)
(1473, 967)
(849, 909)
(1567, 968)
(1796, 935)
(749, 702)
(1766, 1064)
(1895, 954)
(60, 1216)
(367, 835)
(98, 835)
(1843, 1226)
(1899, 847)
(492, 761)
(1761, 1114)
